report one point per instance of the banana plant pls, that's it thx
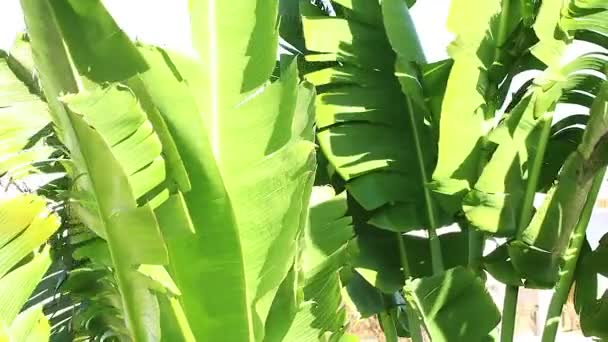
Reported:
(23, 115)
(500, 202)
(190, 209)
(577, 82)
(25, 226)
(482, 172)
(369, 75)
(326, 246)
(189, 179)
(533, 152)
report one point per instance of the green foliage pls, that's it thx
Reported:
(444, 300)
(592, 310)
(23, 116)
(484, 172)
(25, 226)
(191, 189)
(325, 247)
(189, 201)
(360, 100)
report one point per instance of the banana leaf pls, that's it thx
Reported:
(23, 116)
(326, 247)
(25, 226)
(547, 235)
(361, 100)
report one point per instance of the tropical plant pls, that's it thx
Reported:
(188, 183)
(184, 181)
(420, 146)
(26, 224)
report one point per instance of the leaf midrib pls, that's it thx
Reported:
(214, 111)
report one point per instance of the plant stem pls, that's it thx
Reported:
(511, 292)
(501, 36)
(476, 238)
(436, 255)
(388, 326)
(509, 310)
(569, 261)
(403, 257)
(534, 172)
(413, 320)
(414, 324)
(476, 244)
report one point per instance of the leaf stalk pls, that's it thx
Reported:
(511, 292)
(569, 261)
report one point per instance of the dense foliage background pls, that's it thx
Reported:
(295, 157)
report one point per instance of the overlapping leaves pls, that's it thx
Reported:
(326, 247)
(360, 100)
(23, 115)
(25, 226)
(246, 152)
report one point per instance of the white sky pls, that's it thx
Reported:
(429, 17)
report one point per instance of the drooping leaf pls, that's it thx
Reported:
(593, 318)
(25, 226)
(547, 235)
(498, 264)
(360, 100)
(559, 147)
(463, 111)
(367, 299)
(326, 247)
(379, 263)
(115, 145)
(454, 306)
(597, 258)
(30, 326)
(22, 117)
(585, 278)
(434, 79)
(494, 205)
(592, 311)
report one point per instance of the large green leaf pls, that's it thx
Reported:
(245, 144)
(360, 100)
(25, 226)
(593, 312)
(494, 205)
(264, 154)
(119, 175)
(378, 259)
(454, 306)
(547, 235)
(326, 248)
(258, 204)
(22, 115)
(490, 49)
(463, 111)
(115, 143)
